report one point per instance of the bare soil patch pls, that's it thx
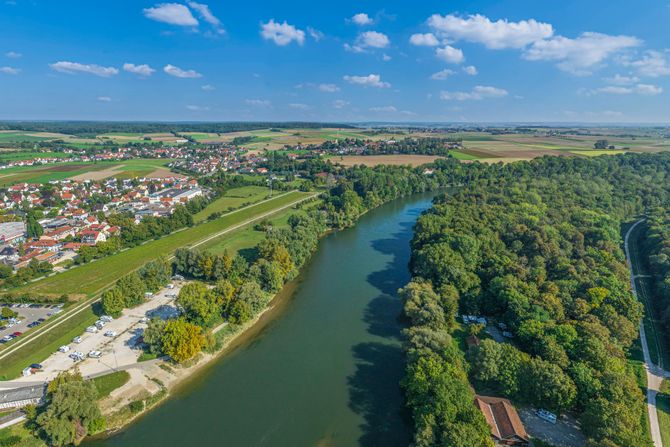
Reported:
(99, 174)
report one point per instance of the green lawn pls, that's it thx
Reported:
(29, 155)
(19, 436)
(663, 410)
(92, 278)
(109, 382)
(234, 198)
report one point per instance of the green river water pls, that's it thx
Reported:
(322, 370)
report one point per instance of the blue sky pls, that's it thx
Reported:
(452, 61)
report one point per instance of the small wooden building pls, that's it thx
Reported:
(506, 426)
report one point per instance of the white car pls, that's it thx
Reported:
(95, 354)
(64, 348)
(106, 318)
(99, 324)
(110, 334)
(547, 416)
(77, 356)
(170, 286)
(144, 320)
(92, 329)
(76, 340)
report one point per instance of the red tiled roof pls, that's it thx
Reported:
(502, 418)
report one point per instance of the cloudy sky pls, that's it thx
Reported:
(454, 61)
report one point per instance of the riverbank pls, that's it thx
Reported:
(153, 381)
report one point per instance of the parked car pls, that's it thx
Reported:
(144, 320)
(95, 354)
(547, 416)
(76, 340)
(106, 318)
(17, 334)
(170, 286)
(92, 329)
(64, 348)
(99, 324)
(36, 366)
(77, 356)
(110, 334)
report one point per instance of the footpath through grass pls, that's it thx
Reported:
(92, 278)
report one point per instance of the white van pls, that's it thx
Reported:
(547, 416)
(64, 348)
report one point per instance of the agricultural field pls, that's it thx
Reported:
(89, 279)
(83, 171)
(233, 198)
(511, 147)
(127, 137)
(272, 139)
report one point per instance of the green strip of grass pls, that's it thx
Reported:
(663, 410)
(233, 198)
(109, 382)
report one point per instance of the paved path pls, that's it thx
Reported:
(28, 338)
(655, 374)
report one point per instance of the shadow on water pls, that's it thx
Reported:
(374, 389)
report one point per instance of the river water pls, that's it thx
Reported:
(323, 371)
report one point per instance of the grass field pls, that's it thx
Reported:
(18, 436)
(91, 278)
(234, 198)
(109, 382)
(246, 238)
(13, 155)
(663, 411)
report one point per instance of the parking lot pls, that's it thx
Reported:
(28, 313)
(116, 352)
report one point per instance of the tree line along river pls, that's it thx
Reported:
(323, 370)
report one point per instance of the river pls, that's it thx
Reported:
(323, 371)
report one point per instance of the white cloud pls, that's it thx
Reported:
(329, 88)
(424, 40)
(179, 73)
(361, 19)
(471, 70)
(368, 39)
(579, 55)
(75, 67)
(282, 33)
(141, 70)
(258, 102)
(652, 64)
(477, 93)
(172, 13)
(386, 109)
(640, 89)
(495, 35)
(10, 70)
(371, 80)
(13, 54)
(340, 103)
(195, 108)
(206, 14)
(315, 34)
(386, 57)
(299, 106)
(208, 87)
(622, 80)
(450, 54)
(442, 75)
(104, 99)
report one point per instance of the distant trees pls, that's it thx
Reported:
(601, 144)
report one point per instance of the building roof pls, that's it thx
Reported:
(501, 417)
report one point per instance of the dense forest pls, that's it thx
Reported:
(536, 248)
(656, 244)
